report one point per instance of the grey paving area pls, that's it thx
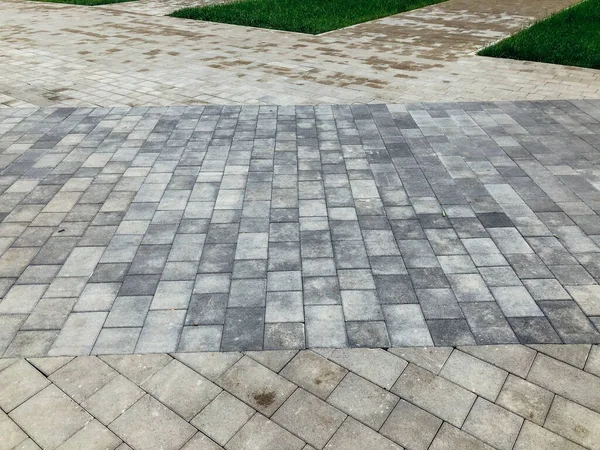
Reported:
(539, 397)
(233, 228)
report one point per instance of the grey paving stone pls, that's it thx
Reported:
(256, 385)
(568, 381)
(161, 332)
(569, 420)
(434, 394)
(493, 425)
(50, 417)
(314, 373)
(569, 321)
(516, 359)
(309, 417)
(363, 400)
(450, 437)
(406, 325)
(116, 341)
(78, 335)
(325, 326)
(473, 374)
(284, 336)
(31, 343)
(111, 400)
(352, 435)
(244, 329)
(525, 399)
(410, 426)
(533, 436)
(170, 386)
(260, 432)
(19, 382)
(148, 423)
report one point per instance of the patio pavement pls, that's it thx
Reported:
(55, 54)
(230, 248)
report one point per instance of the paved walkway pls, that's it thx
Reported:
(472, 398)
(153, 230)
(68, 55)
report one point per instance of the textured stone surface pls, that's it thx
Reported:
(225, 228)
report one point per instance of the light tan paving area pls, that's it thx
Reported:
(504, 397)
(55, 54)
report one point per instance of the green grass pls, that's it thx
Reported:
(85, 2)
(304, 16)
(570, 37)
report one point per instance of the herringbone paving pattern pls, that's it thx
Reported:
(470, 398)
(247, 228)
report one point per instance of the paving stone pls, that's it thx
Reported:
(272, 359)
(50, 417)
(410, 426)
(407, 325)
(200, 442)
(309, 418)
(525, 399)
(170, 386)
(352, 435)
(570, 323)
(325, 326)
(18, 383)
(533, 437)
(11, 434)
(434, 394)
(515, 359)
(93, 436)
(256, 385)
(137, 368)
(363, 400)
(593, 363)
(111, 400)
(116, 341)
(450, 437)
(533, 330)
(261, 433)
(493, 425)
(471, 373)
(430, 358)
(148, 424)
(515, 301)
(208, 364)
(82, 377)
(31, 343)
(79, 334)
(314, 373)
(223, 417)
(49, 365)
(587, 297)
(573, 354)
(574, 422)
(161, 331)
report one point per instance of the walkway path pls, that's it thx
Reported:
(56, 54)
(472, 398)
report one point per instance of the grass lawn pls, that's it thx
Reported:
(85, 2)
(304, 16)
(570, 37)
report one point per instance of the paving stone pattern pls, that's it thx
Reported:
(467, 398)
(148, 230)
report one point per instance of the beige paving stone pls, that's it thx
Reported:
(493, 425)
(375, 365)
(574, 354)
(260, 433)
(515, 359)
(534, 437)
(49, 365)
(451, 438)
(410, 426)
(314, 373)
(256, 385)
(593, 363)
(363, 400)
(82, 377)
(525, 399)
(138, 368)
(434, 394)
(273, 359)
(430, 358)
(111, 400)
(209, 364)
(566, 380)
(574, 422)
(94, 436)
(50, 417)
(474, 374)
(18, 383)
(10, 433)
(353, 435)
(171, 386)
(200, 442)
(149, 424)
(223, 417)
(309, 417)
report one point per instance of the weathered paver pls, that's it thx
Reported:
(425, 55)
